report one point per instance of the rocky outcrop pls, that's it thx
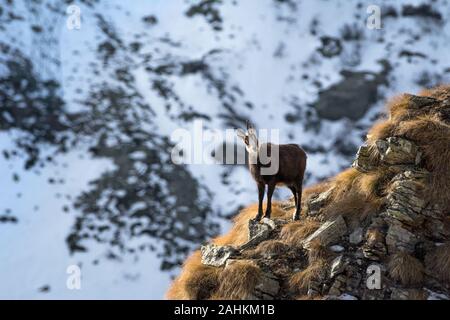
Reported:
(406, 227)
(395, 150)
(371, 233)
(363, 161)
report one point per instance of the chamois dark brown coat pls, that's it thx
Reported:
(291, 170)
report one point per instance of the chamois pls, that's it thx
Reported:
(291, 169)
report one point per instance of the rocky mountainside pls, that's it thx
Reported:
(378, 230)
(104, 100)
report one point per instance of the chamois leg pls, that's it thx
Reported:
(261, 190)
(270, 189)
(294, 192)
(298, 206)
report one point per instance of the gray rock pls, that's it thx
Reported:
(258, 231)
(337, 266)
(337, 248)
(352, 96)
(398, 151)
(346, 296)
(406, 294)
(356, 236)
(268, 287)
(216, 256)
(364, 162)
(400, 239)
(436, 296)
(315, 203)
(418, 102)
(405, 202)
(337, 286)
(331, 231)
(287, 205)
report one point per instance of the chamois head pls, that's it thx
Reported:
(249, 137)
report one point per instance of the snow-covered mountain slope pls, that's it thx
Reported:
(86, 119)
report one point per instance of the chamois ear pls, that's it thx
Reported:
(252, 132)
(241, 134)
(253, 138)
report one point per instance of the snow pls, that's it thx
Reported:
(34, 252)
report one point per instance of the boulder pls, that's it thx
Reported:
(337, 248)
(216, 256)
(338, 266)
(353, 95)
(267, 288)
(436, 296)
(399, 238)
(337, 286)
(398, 151)
(331, 231)
(356, 237)
(405, 202)
(364, 161)
(418, 102)
(316, 202)
(258, 231)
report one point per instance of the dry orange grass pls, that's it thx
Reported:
(438, 262)
(441, 92)
(372, 185)
(398, 107)
(344, 181)
(300, 281)
(294, 233)
(268, 248)
(381, 130)
(374, 236)
(354, 207)
(238, 280)
(317, 253)
(315, 189)
(406, 269)
(196, 281)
